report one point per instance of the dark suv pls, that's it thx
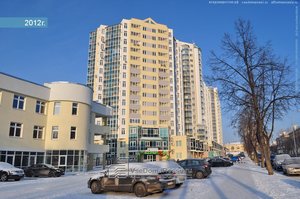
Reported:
(139, 178)
(196, 168)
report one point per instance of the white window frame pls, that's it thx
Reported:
(39, 130)
(15, 126)
(55, 129)
(73, 129)
(19, 99)
(56, 108)
(41, 107)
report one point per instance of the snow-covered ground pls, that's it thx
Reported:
(245, 180)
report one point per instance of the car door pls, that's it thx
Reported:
(185, 166)
(43, 170)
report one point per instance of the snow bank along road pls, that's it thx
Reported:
(241, 181)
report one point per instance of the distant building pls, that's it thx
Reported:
(288, 142)
(52, 123)
(234, 147)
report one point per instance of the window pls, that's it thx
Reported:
(15, 129)
(122, 144)
(18, 102)
(74, 108)
(132, 143)
(147, 143)
(123, 131)
(56, 109)
(40, 107)
(123, 111)
(54, 132)
(38, 132)
(73, 133)
(178, 143)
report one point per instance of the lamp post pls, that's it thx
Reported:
(295, 146)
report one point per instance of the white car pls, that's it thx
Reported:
(8, 171)
(178, 171)
(291, 166)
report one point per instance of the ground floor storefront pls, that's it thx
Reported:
(68, 160)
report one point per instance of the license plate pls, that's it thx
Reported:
(170, 183)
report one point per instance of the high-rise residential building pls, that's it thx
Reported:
(189, 102)
(214, 121)
(155, 86)
(130, 68)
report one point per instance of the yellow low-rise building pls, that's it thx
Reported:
(234, 147)
(52, 123)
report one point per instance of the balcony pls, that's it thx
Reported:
(134, 115)
(135, 88)
(164, 91)
(163, 82)
(96, 148)
(100, 130)
(134, 106)
(135, 79)
(135, 70)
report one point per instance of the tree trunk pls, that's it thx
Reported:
(266, 148)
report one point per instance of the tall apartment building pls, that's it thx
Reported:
(190, 103)
(52, 123)
(154, 84)
(130, 68)
(214, 121)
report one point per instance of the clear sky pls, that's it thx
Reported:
(59, 52)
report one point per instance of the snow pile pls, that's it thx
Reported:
(277, 185)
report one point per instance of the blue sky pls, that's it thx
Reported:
(59, 52)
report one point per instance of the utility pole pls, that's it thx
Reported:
(295, 145)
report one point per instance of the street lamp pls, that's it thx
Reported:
(295, 146)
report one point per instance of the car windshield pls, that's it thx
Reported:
(49, 165)
(292, 161)
(282, 157)
(5, 165)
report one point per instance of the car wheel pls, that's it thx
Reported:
(18, 179)
(140, 190)
(178, 185)
(199, 175)
(96, 187)
(57, 174)
(3, 177)
(29, 174)
(52, 174)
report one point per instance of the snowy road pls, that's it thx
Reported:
(239, 181)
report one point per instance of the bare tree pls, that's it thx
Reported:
(253, 77)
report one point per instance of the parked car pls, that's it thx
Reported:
(140, 178)
(291, 166)
(178, 171)
(196, 168)
(278, 161)
(37, 170)
(220, 162)
(8, 171)
(234, 158)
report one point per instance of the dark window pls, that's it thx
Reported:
(40, 107)
(18, 102)
(74, 108)
(38, 132)
(15, 129)
(73, 133)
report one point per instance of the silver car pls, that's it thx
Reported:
(291, 166)
(278, 161)
(178, 171)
